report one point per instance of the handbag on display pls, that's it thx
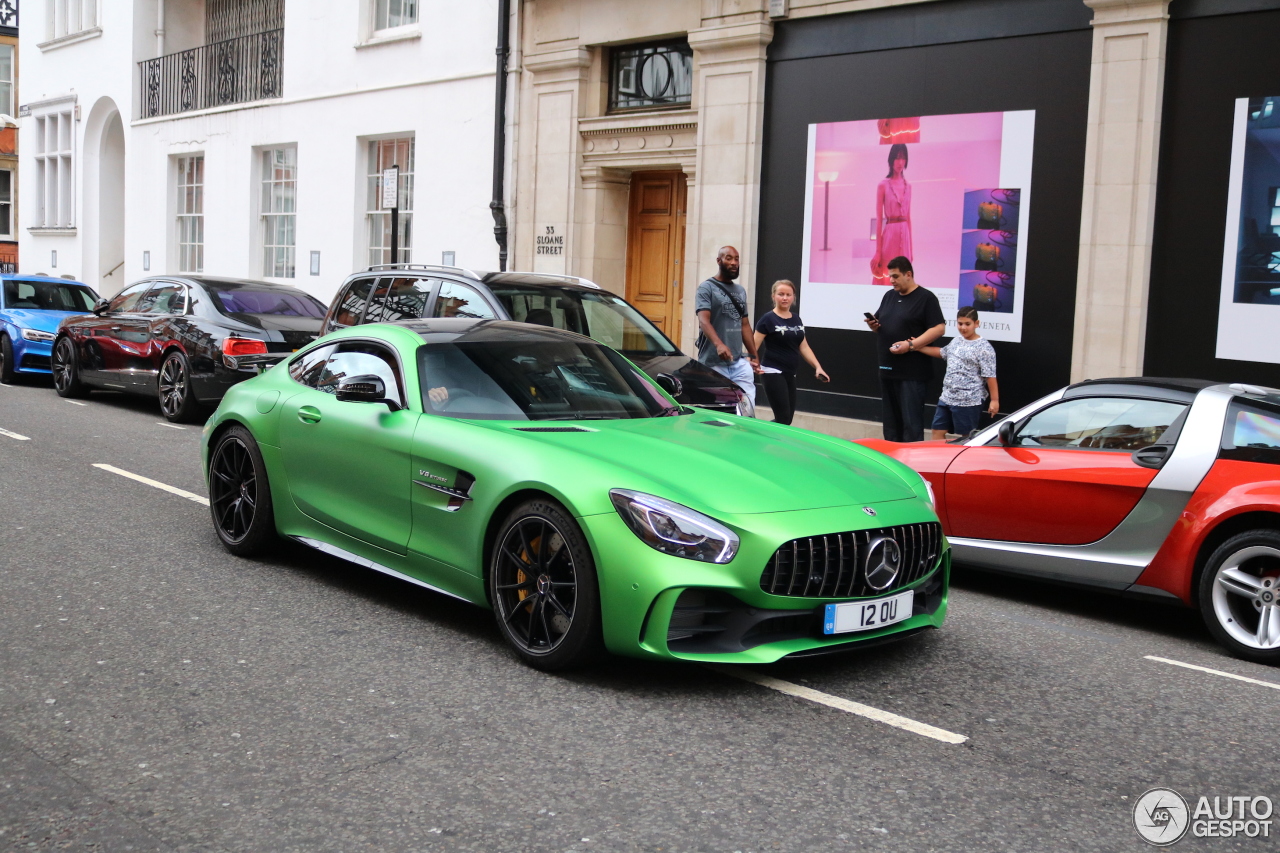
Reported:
(990, 215)
(985, 297)
(988, 256)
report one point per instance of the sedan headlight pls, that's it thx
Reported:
(673, 529)
(39, 337)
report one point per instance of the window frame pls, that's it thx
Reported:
(376, 27)
(55, 166)
(498, 310)
(190, 218)
(9, 233)
(374, 164)
(331, 322)
(1227, 448)
(268, 184)
(615, 54)
(60, 14)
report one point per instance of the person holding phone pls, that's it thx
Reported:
(782, 333)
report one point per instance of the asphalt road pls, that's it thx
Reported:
(158, 694)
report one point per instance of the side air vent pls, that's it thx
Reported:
(554, 429)
(715, 423)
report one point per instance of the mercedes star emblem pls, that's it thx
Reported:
(884, 559)
(868, 510)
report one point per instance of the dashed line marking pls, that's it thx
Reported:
(817, 696)
(15, 435)
(173, 490)
(1273, 685)
(170, 426)
(75, 402)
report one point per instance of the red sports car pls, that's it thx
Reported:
(1160, 488)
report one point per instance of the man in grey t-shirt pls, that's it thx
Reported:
(721, 307)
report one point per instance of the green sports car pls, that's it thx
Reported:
(541, 474)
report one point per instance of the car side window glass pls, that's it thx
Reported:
(1100, 423)
(162, 299)
(309, 367)
(459, 300)
(360, 359)
(126, 300)
(351, 308)
(1251, 434)
(399, 299)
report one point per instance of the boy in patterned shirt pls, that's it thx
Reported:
(971, 364)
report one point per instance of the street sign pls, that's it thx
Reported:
(391, 188)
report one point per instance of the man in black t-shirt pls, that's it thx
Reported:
(909, 318)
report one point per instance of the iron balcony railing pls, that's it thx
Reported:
(234, 71)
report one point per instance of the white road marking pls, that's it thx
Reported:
(886, 717)
(173, 490)
(75, 402)
(1273, 685)
(170, 426)
(17, 435)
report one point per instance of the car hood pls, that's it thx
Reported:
(43, 321)
(742, 466)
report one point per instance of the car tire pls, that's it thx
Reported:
(173, 388)
(7, 367)
(1240, 595)
(551, 619)
(66, 370)
(240, 494)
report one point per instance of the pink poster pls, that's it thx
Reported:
(951, 193)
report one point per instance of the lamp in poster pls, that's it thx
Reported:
(1249, 301)
(951, 193)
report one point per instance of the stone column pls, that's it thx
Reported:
(1126, 94)
(724, 204)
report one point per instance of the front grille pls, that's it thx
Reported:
(833, 566)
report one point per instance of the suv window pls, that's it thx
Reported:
(357, 359)
(596, 314)
(124, 301)
(166, 298)
(1100, 423)
(350, 309)
(1251, 434)
(459, 300)
(399, 299)
(308, 367)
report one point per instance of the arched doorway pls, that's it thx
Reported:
(110, 213)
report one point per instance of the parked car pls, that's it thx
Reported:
(540, 473)
(31, 307)
(401, 291)
(183, 339)
(1162, 488)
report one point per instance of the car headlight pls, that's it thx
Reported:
(673, 529)
(40, 337)
(928, 490)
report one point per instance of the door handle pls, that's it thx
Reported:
(309, 415)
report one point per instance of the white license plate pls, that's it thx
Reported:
(867, 615)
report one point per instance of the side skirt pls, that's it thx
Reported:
(335, 551)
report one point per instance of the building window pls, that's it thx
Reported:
(279, 212)
(68, 17)
(6, 79)
(383, 154)
(191, 213)
(394, 13)
(55, 180)
(6, 204)
(651, 76)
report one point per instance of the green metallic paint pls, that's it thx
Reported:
(347, 480)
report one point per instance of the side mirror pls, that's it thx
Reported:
(670, 384)
(1007, 433)
(1152, 457)
(365, 388)
(100, 306)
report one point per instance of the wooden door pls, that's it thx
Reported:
(655, 248)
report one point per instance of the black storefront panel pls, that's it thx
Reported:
(1047, 72)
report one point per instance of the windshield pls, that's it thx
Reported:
(284, 303)
(534, 381)
(596, 314)
(48, 295)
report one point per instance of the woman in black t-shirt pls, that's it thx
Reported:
(782, 332)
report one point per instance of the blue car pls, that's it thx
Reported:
(31, 307)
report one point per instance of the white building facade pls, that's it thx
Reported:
(246, 138)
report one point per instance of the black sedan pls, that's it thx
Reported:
(185, 340)
(391, 292)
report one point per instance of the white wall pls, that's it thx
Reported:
(437, 85)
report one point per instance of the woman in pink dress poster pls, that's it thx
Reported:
(893, 215)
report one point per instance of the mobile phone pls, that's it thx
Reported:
(868, 315)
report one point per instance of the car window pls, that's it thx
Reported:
(126, 300)
(458, 300)
(164, 298)
(355, 299)
(48, 295)
(1100, 423)
(359, 359)
(596, 314)
(1251, 434)
(399, 299)
(308, 367)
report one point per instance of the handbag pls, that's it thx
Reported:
(985, 297)
(990, 215)
(988, 256)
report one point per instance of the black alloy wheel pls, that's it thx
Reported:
(6, 360)
(174, 387)
(239, 494)
(543, 583)
(66, 370)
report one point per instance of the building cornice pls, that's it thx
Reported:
(569, 59)
(1115, 12)
(614, 125)
(73, 38)
(731, 43)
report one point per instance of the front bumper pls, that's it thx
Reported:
(647, 613)
(32, 356)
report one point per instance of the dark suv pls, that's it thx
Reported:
(392, 292)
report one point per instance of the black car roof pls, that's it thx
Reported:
(466, 330)
(1164, 388)
(223, 283)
